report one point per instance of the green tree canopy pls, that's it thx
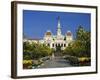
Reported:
(81, 45)
(35, 50)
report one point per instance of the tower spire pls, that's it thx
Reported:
(58, 27)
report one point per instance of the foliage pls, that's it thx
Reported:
(35, 50)
(68, 51)
(27, 61)
(81, 46)
(84, 37)
(27, 64)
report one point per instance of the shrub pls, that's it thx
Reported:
(27, 64)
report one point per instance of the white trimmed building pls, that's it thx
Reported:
(56, 40)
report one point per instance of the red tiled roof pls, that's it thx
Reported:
(69, 33)
(48, 33)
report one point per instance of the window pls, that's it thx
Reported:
(52, 45)
(62, 45)
(58, 44)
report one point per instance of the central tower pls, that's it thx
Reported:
(58, 27)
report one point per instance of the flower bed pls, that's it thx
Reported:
(84, 61)
(78, 61)
(27, 64)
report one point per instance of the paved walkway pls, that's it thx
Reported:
(55, 62)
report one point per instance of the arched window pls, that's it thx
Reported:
(64, 45)
(59, 44)
(56, 45)
(53, 45)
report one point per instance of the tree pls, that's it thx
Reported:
(78, 48)
(68, 51)
(82, 44)
(26, 51)
(80, 33)
(84, 37)
(35, 50)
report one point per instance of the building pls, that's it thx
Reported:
(30, 40)
(53, 41)
(58, 40)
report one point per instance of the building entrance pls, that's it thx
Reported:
(58, 51)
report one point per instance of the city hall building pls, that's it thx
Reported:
(54, 40)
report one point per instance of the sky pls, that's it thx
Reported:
(36, 23)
